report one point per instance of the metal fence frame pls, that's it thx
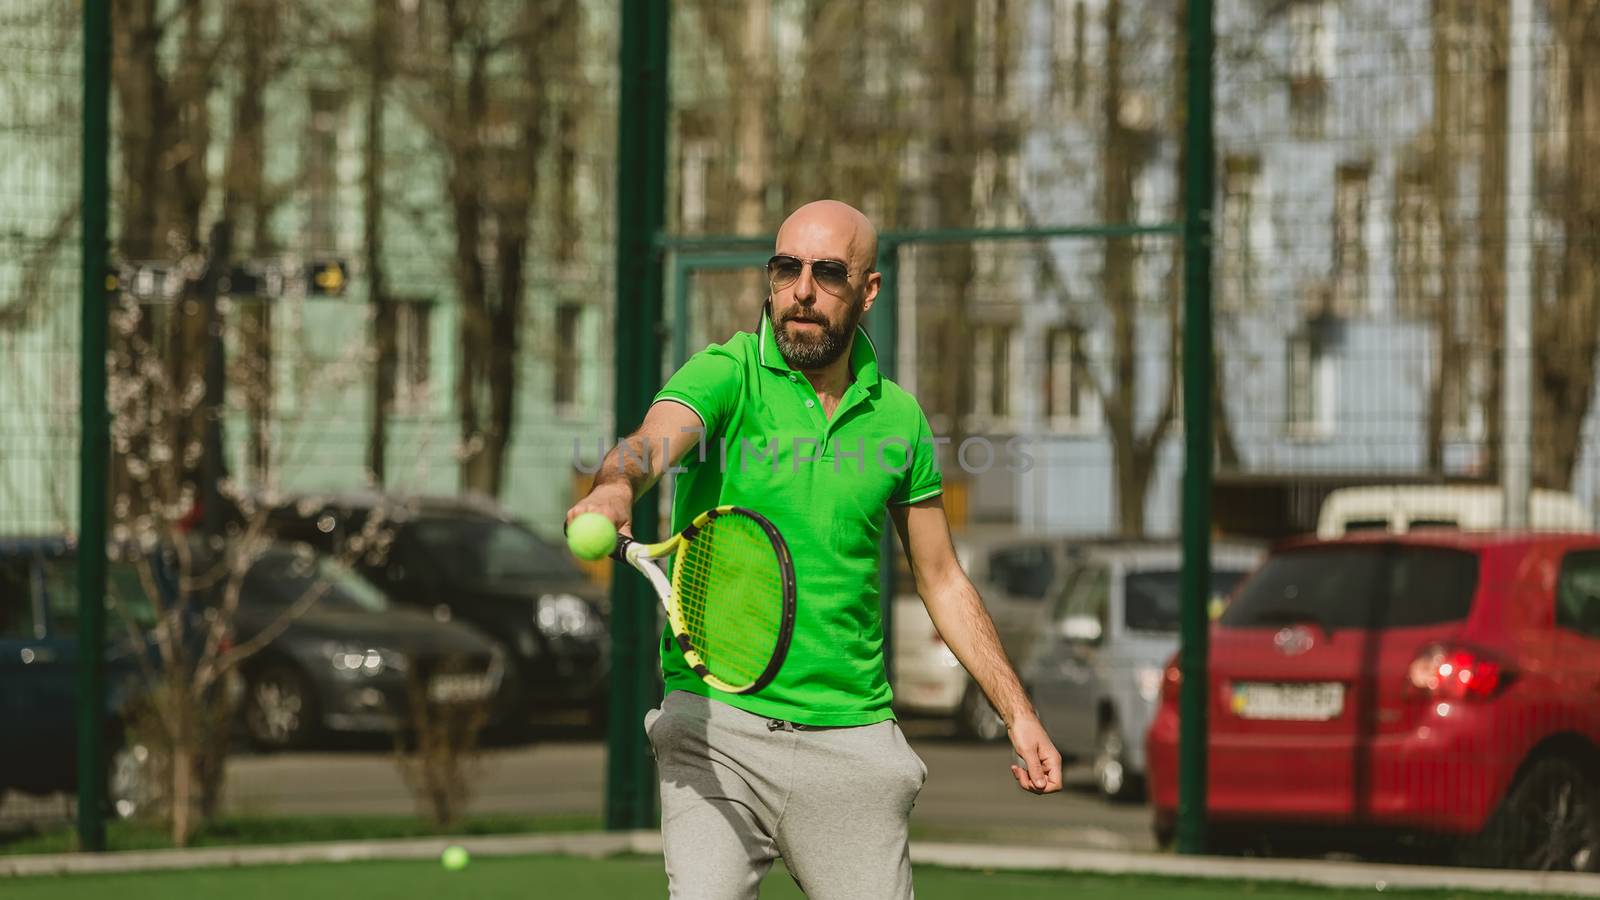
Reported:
(643, 248)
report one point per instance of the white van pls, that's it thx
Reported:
(1400, 509)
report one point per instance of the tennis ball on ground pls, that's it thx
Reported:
(591, 536)
(454, 858)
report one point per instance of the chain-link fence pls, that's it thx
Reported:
(392, 227)
(360, 256)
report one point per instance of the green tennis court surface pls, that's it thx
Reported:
(525, 878)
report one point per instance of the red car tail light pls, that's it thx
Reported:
(1171, 681)
(1443, 672)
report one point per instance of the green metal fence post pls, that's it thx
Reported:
(641, 212)
(95, 445)
(1197, 374)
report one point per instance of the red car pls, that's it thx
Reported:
(1435, 685)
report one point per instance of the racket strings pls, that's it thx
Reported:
(730, 597)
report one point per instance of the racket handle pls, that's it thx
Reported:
(620, 551)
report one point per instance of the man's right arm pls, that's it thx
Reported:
(637, 462)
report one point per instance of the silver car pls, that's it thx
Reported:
(1095, 668)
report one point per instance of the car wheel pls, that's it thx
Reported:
(279, 712)
(130, 780)
(1111, 775)
(976, 719)
(1548, 821)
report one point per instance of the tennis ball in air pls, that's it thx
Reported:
(591, 536)
(454, 858)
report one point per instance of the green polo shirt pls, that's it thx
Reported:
(825, 484)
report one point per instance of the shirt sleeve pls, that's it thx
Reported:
(921, 479)
(710, 384)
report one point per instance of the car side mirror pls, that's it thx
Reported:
(1082, 629)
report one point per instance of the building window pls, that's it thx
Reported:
(1468, 60)
(1309, 388)
(413, 339)
(696, 164)
(1311, 61)
(1466, 391)
(991, 372)
(986, 50)
(1553, 116)
(1070, 401)
(321, 180)
(1350, 239)
(1063, 64)
(412, 27)
(1238, 258)
(1311, 40)
(1418, 259)
(567, 359)
(1080, 63)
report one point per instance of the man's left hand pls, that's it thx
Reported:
(1043, 774)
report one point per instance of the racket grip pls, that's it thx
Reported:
(620, 551)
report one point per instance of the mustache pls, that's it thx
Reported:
(801, 317)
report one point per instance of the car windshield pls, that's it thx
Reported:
(1151, 597)
(487, 551)
(1365, 586)
(284, 577)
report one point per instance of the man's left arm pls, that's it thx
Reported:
(959, 614)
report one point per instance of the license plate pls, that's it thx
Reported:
(1318, 702)
(459, 688)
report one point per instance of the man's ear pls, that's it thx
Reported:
(870, 295)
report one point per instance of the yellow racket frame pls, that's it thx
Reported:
(642, 556)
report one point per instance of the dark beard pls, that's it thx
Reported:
(805, 351)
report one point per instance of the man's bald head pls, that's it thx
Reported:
(815, 322)
(829, 229)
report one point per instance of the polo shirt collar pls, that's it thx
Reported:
(863, 354)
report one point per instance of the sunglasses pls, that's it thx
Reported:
(830, 275)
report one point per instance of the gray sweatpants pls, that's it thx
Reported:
(739, 790)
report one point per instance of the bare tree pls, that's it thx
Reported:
(438, 756)
(1125, 150)
(1439, 166)
(382, 311)
(249, 203)
(163, 134)
(1494, 32)
(1565, 324)
(484, 93)
(953, 135)
(188, 686)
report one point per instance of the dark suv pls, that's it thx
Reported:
(470, 562)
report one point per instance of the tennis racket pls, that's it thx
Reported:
(730, 597)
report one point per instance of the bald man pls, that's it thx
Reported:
(796, 421)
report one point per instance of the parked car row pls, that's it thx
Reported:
(447, 595)
(462, 561)
(1410, 681)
